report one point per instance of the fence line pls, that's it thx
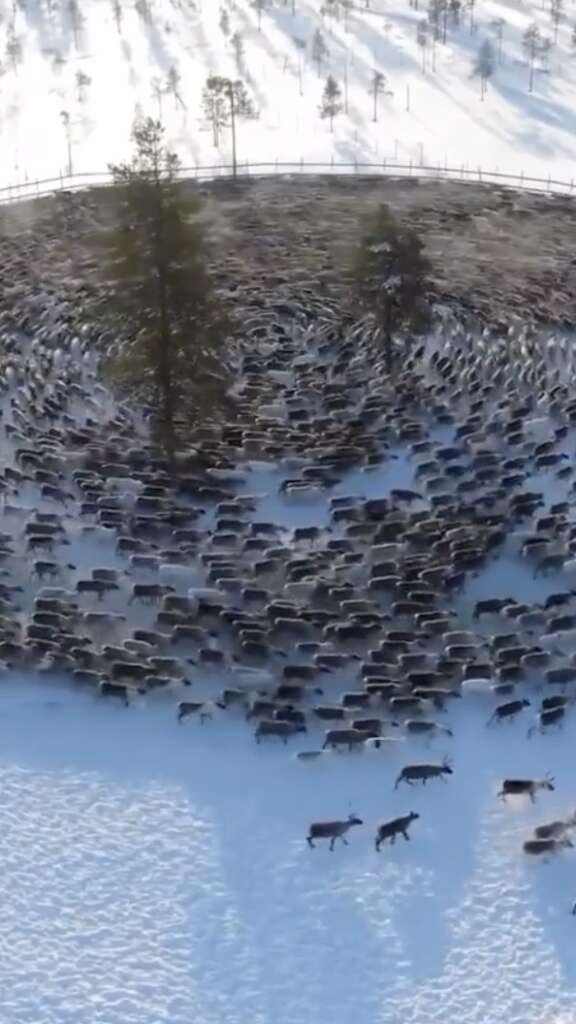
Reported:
(77, 182)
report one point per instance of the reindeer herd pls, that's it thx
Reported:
(363, 623)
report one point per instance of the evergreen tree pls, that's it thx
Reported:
(173, 82)
(532, 45)
(237, 44)
(455, 9)
(76, 19)
(499, 25)
(65, 119)
(377, 85)
(390, 280)
(435, 8)
(225, 103)
(300, 45)
(260, 6)
(556, 15)
(117, 14)
(159, 293)
(331, 104)
(484, 64)
(423, 39)
(319, 50)
(82, 82)
(224, 22)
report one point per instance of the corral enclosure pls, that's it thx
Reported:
(154, 872)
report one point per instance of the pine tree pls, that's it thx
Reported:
(347, 7)
(260, 6)
(82, 82)
(215, 111)
(237, 44)
(455, 8)
(300, 45)
(499, 25)
(423, 38)
(225, 103)
(331, 104)
(377, 85)
(390, 280)
(143, 10)
(484, 64)
(319, 50)
(159, 294)
(224, 22)
(117, 14)
(470, 4)
(435, 18)
(531, 44)
(158, 90)
(173, 82)
(14, 50)
(66, 124)
(556, 15)
(76, 21)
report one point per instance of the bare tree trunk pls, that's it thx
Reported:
(346, 84)
(233, 129)
(164, 367)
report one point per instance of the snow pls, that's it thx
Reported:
(153, 872)
(425, 116)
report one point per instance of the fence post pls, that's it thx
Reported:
(549, 183)
(301, 164)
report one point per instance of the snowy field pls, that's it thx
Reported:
(75, 73)
(153, 873)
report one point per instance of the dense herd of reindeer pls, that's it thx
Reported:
(359, 622)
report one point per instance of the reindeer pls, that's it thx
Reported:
(537, 847)
(508, 710)
(398, 826)
(522, 787)
(332, 830)
(422, 772)
(420, 726)
(555, 829)
(547, 717)
(202, 708)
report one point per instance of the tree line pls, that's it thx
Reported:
(161, 302)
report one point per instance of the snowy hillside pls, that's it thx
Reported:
(75, 72)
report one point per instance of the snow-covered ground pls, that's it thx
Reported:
(155, 873)
(75, 73)
(151, 872)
